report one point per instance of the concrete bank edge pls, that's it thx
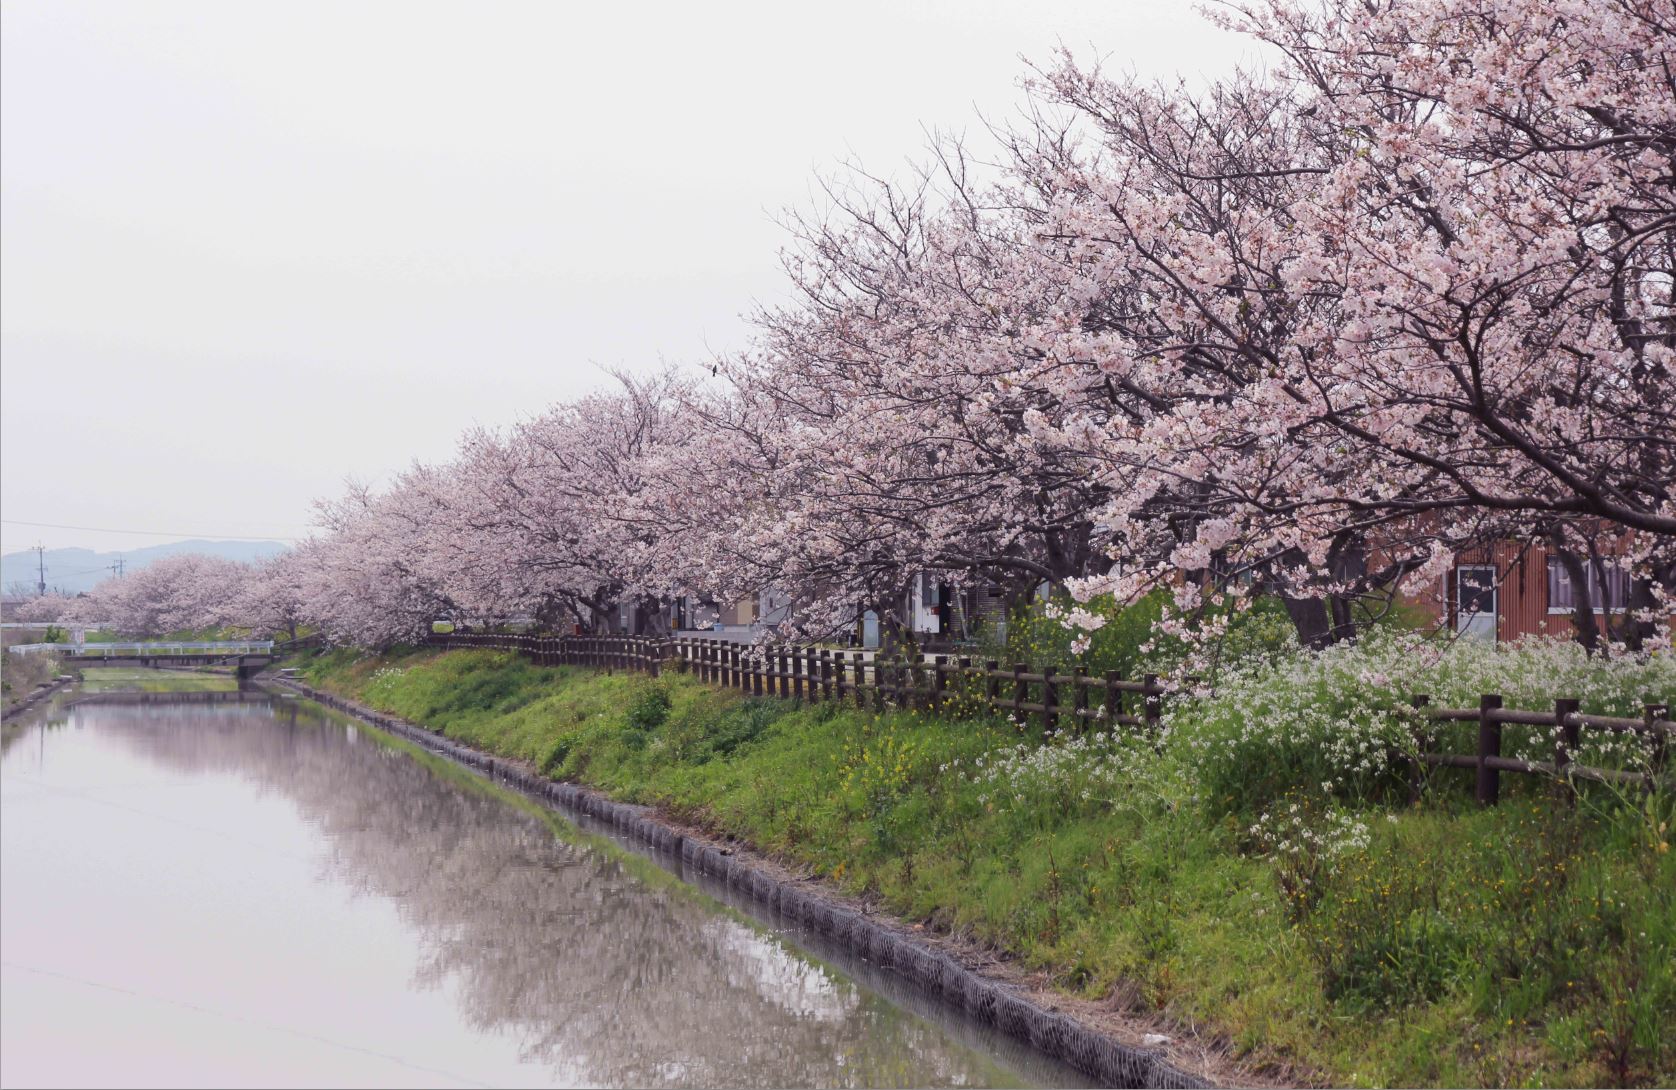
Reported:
(29, 702)
(1083, 1047)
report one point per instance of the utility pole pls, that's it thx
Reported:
(116, 567)
(41, 569)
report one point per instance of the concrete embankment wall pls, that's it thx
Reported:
(989, 1002)
(37, 697)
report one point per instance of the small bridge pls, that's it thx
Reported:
(245, 656)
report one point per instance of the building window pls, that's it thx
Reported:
(1476, 605)
(1608, 587)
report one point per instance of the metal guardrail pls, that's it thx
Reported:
(132, 650)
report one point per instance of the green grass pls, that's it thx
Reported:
(1433, 945)
(100, 679)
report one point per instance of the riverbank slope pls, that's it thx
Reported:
(1431, 945)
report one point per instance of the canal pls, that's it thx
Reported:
(245, 889)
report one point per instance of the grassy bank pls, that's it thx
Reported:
(100, 679)
(1258, 871)
(21, 677)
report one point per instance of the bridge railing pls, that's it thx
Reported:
(132, 650)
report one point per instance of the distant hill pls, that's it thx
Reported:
(74, 570)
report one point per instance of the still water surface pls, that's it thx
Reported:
(262, 893)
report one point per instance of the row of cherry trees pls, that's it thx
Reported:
(1308, 332)
(189, 592)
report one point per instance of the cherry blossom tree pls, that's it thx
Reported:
(185, 592)
(1444, 313)
(1310, 332)
(270, 600)
(44, 607)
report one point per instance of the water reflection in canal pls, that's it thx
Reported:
(210, 892)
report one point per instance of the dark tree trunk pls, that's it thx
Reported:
(1310, 618)
(1349, 564)
(1636, 632)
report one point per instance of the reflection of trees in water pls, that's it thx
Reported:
(601, 974)
(12, 731)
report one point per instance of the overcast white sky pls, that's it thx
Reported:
(250, 249)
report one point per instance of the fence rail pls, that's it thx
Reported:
(1565, 724)
(817, 674)
(1073, 699)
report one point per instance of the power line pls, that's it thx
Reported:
(154, 533)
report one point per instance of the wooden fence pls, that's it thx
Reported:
(1565, 724)
(1071, 699)
(823, 674)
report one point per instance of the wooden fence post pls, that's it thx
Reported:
(1422, 741)
(1154, 704)
(992, 683)
(1114, 698)
(1650, 714)
(1021, 690)
(939, 680)
(1567, 739)
(1489, 745)
(1079, 698)
(826, 675)
(1050, 701)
